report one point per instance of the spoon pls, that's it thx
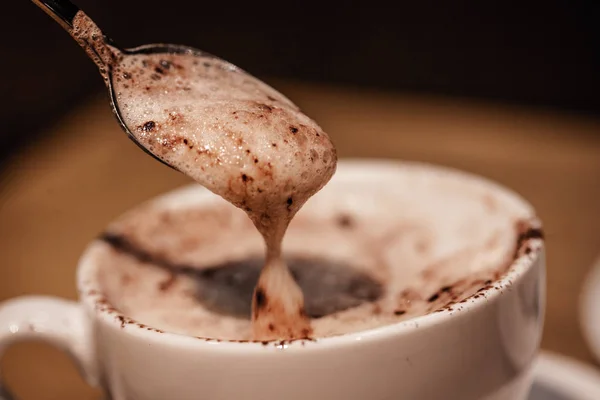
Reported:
(105, 54)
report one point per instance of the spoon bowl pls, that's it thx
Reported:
(154, 48)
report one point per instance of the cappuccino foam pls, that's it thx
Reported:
(364, 253)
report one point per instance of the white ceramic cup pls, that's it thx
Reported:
(483, 350)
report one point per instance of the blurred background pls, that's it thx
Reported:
(508, 90)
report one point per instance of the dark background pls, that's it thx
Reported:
(534, 53)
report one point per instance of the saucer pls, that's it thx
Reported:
(589, 309)
(558, 377)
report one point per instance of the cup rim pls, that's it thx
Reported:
(90, 293)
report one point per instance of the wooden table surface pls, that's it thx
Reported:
(83, 172)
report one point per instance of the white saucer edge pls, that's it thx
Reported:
(567, 376)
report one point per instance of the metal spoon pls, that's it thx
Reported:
(102, 51)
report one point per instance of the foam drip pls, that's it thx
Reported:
(242, 140)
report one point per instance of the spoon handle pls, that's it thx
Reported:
(62, 11)
(86, 33)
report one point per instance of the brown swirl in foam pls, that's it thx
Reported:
(227, 287)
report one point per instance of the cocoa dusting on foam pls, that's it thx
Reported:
(192, 269)
(234, 135)
(186, 272)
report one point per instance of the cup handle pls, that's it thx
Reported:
(59, 322)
